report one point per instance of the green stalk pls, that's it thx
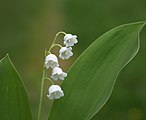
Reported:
(41, 93)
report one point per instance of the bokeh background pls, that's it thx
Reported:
(27, 27)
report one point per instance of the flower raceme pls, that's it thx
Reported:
(51, 61)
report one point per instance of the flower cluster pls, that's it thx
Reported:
(51, 61)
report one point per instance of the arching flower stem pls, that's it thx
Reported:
(50, 80)
(61, 32)
(53, 43)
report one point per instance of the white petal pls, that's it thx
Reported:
(51, 57)
(54, 64)
(54, 77)
(55, 92)
(70, 48)
(64, 74)
(65, 53)
(56, 70)
(61, 94)
(47, 65)
(51, 97)
(57, 73)
(75, 41)
(75, 36)
(54, 88)
(70, 40)
(51, 61)
(57, 95)
(61, 57)
(68, 36)
(61, 77)
(70, 53)
(62, 49)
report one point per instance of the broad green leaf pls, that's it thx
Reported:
(92, 77)
(14, 104)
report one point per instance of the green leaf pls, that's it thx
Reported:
(92, 77)
(14, 104)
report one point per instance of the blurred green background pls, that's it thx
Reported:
(27, 27)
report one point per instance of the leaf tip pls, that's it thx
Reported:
(7, 57)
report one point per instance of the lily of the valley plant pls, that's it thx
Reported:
(51, 62)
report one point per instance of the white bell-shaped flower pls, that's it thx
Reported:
(57, 73)
(70, 40)
(51, 61)
(65, 53)
(55, 92)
